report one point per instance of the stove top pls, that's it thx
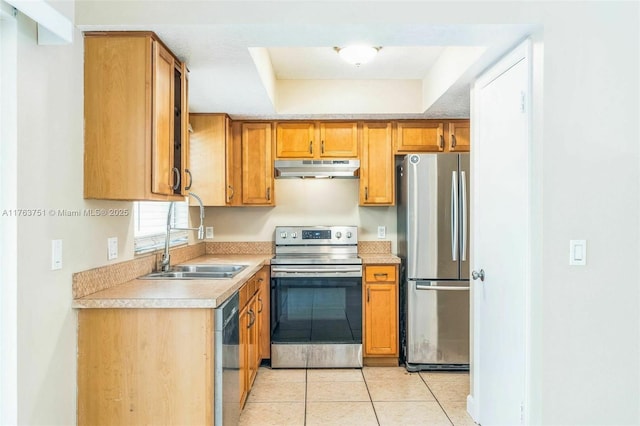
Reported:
(332, 245)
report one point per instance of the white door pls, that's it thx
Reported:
(500, 221)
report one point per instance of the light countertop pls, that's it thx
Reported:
(207, 293)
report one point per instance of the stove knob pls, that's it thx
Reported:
(293, 235)
(283, 235)
(338, 234)
(349, 234)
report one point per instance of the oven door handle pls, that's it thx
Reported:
(315, 270)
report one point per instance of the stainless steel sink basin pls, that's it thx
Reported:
(196, 272)
(209, 268)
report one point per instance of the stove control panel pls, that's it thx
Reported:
(316, 235)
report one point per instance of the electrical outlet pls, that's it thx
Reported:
(382, 231)
(56, 254)
(112, 248)
(209, 232)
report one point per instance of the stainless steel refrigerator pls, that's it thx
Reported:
(433, 242)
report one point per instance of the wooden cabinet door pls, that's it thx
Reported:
(208, 150)
(243, 348)
(419, 136)
(264, 312)
(163, 176)
(339, 139)
(459, 139)
(377, 175)
(257, 164)
(183, 101)
(381, 311)
(254, 347)
(295, 140)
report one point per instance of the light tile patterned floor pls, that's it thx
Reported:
(370, 396)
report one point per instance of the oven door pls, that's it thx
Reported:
(316, 316)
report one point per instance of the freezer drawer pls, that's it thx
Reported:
(437, 322)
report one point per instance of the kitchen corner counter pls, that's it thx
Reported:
(173, 293)
(378, 258)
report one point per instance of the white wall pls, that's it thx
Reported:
(589, 351)
(50, 176)
(302, 202)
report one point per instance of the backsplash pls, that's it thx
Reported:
(374, 247)
(240, 247)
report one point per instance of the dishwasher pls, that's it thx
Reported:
(226, 407)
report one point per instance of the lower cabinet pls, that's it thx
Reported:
(381, 314)
(145, 366)
(254, 304)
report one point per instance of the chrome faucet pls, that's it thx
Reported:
(166, 258)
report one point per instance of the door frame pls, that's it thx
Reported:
(530, 50)
(9, 224)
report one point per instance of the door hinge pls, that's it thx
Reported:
(521, 413)
(523, 100)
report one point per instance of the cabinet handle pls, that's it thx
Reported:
(453, 141)
(260, 300)
(252, 318)
(366, 193)
(310, 147)
(176, 172)
(269, 194)
(368, 294)
(441, 142)
(188, 187)
(381, 274)
(232, 192)
(322, 147)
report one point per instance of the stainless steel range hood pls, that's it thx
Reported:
(317, 168)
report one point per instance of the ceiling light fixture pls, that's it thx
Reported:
(357, 55)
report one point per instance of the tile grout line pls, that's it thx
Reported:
(436, 398)
(306, 393)
(366, 385)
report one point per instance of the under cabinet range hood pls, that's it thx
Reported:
(317, 168)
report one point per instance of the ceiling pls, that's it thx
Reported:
(272, 60)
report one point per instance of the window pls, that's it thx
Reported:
(150, 224)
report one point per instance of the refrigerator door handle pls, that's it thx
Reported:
(439, 287)
(463, 201)
(454, 215)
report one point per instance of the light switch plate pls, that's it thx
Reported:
(209, 232)
(112, 248)
(56, 254)
(578, 252)
(382, 231)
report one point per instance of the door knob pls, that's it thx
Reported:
(475, 275)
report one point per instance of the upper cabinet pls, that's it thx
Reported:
(432, 136)
(306, 139)
(136, 141)
(419, 136)
(458, 136)
(377, 175)
(257, 164)
(212, 170)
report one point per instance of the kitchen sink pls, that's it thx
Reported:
(209, 268)
(196, 272)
